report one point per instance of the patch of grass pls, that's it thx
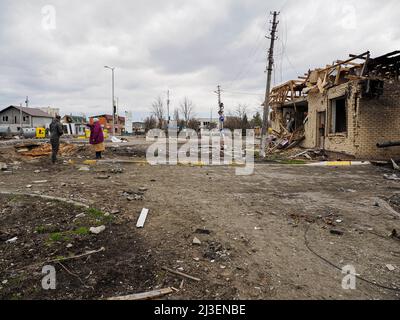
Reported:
(82, 231)
(59, 237)
(60, 258)
(99, 216)
(94, 213)
(45, 229)
(41, 230)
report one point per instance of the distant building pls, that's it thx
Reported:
(51, 111)
(206, 123)
(74, 125)
(139, 128)
(12, 117)
(106, 121)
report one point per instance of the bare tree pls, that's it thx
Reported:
(150, 123)
(187, 109)
(176, 115)
(158, 111)
(241, 110)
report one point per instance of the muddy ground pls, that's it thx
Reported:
(265, 236)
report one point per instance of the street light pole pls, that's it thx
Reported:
(113, 100)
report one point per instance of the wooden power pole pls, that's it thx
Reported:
(221, 109)
(265, 127)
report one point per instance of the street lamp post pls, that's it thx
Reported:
(113, 100)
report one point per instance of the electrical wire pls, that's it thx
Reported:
(250, 59)
(307, 243)
(243, 93)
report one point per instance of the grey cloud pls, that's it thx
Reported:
(186, 46)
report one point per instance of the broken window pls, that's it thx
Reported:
(338, 115)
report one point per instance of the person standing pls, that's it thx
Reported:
(56, 131)
(97, 137)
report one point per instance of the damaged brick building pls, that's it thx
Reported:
(348, 107)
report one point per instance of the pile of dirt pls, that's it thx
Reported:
(37, 233)
(44, 150)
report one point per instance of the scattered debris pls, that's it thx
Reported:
(393, 177)
(395, 165)
(13, 240)
(202, 231)
(383, 204)
(337, 232)
(90, 162)
(103, 177)
(196, 242)
(40, 182)
(3, 166)
(178, 273)
(390, 267)
(144, 296)
(284, 139)
(142, 218)
(97, 230)
(133, 196)
(84, 169)
(395, 235)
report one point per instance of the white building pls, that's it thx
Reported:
(51, 111)
(13, 117)
(205, 123)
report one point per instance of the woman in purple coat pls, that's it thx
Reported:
(97, 137)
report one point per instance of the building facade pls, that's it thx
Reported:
(14, 117)
(346, 108)
(106, 121)
(74, 125)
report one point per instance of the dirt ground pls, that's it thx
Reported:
(265, 236)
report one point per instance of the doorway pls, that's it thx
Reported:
(321, 129)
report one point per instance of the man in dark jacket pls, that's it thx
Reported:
(56, 131)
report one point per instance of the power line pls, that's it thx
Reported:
(244, 93)
(250, 59)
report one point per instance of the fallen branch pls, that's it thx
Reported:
(62, 259)
(382, 203)
(181, 274)
(144, 296)
(89, 253)
(75, 203)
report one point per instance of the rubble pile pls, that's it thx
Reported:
(44, 150)
(285, 140)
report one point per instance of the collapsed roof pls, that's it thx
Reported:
(357, 67)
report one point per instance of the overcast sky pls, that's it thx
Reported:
(186, 46)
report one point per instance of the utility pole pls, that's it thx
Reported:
(265, 127)
(20, 118)
(221, 109)
(27, 101)
(113, 100)
(168, 114)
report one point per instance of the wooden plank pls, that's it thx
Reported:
(181, 274)
(142, 218)
(144, 296)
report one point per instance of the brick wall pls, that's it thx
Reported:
(379, 121)
(369, 121)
